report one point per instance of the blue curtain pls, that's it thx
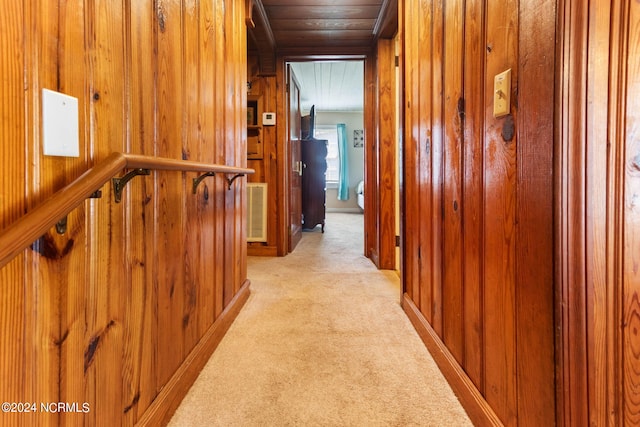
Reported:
(343, 177)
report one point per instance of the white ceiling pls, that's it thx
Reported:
(330, 85)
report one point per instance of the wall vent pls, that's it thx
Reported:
(256, 212)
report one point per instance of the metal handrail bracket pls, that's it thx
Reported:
(120, 183)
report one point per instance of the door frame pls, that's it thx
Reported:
(371, 179)
(294, 237)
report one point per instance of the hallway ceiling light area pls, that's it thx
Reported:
(330, 85)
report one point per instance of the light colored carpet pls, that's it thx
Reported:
(322, 341)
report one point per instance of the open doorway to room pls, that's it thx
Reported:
(332, 107)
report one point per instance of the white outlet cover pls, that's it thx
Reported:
(60, 135)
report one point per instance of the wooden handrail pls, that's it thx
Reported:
(19, 235)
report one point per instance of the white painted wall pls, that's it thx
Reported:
(353, 120)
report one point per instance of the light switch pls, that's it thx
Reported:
(502, 94)
(60, 124)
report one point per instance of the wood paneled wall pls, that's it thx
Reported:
(267, 169)
(598, 227)
(108, 313)
(478, 201)
(380, 156)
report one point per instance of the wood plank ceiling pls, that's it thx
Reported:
(317, 27)
(336, 86)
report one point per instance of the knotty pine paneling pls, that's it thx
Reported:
(472, 188)
(597, 216)
(453, 110)
(141, 337)
(470, 259)
(499, 233)
(631, 227)
(570, 212)
(192, 239)
(170, 204)
(13, 276)
(433, 234)
(534, 265)
(107, 312)
(386, 153)
(219, 107)
(205, 124)
(104, 344)
(410, 158)
(264, 87)
(239, 142)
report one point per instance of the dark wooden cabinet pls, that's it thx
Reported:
(314, 169)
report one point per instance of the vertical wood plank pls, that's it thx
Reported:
(535, 291)
(240, 137)
(72, 80)
(410, 154)
(570, 213)
(104, 307)
(372, 218)
(192, 150)
(438, 121)
(631, 232)
(229, 138)
(453, 102)
(424, 171)
(45, 176)
(206, 195)
(26, 295)
(241, 148)
(387, 152)
(169, 190)
(219, 151)
(13, 303)
(140, 335)
(499, 225)
(472, 189)
(606, 237)
(12, 338)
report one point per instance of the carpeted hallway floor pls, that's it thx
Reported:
(322, 341)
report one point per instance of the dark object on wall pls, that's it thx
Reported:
(508, 129)
(314, 160)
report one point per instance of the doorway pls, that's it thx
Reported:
(333, 92)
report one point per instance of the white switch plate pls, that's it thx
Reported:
(502, 94)
(60, 124)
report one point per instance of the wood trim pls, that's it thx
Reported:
(34, 224)
(571, 322)
(387, 23)
(255, 250)
(386, 153)
(169, 398)
(371, 209)
(282, 154)
(473, 402)
(261, 33)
